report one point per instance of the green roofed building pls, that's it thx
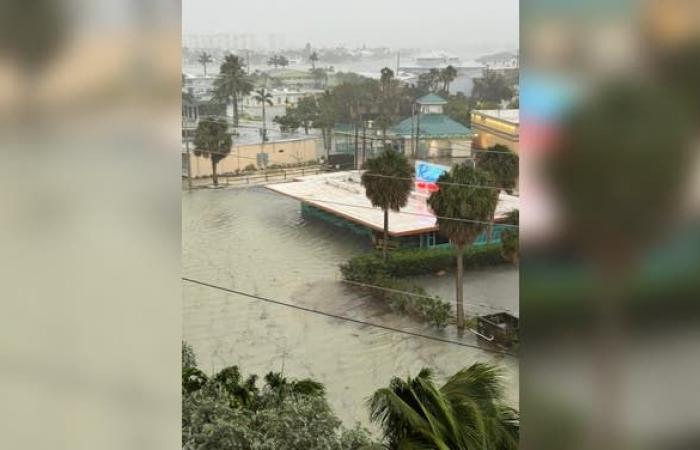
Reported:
(436, 134)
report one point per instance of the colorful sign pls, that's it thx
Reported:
(427, 174)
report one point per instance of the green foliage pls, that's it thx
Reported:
(278, 60)
(612, 202)
(211, 139)
(204, 59)
(288, 123)
(503, 164)
(492, 87)
(401, 296)
(188, 356)
(510, 241)
(467, 412)
(459, 108)
(388, 180)
(226, 413)
(406, 263)
(462, 196)
(232, 83)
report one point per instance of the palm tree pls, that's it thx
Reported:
(387, 181)
(204, 59)
(503, 165)
(464, 205)
(212, 140)
(233, 83)
(313, 58)
(263, 97)
(448, 75)
(467, 413)
(326, 119)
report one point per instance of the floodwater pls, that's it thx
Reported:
(255, 241)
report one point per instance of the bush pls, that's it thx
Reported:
(250, 168)
(405, 263)
(370, 269)
(399, 295)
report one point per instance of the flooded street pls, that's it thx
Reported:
(256, 241)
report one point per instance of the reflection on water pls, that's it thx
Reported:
(256, 241)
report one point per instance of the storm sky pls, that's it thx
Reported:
(471, 26)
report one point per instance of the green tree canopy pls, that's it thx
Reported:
(503, 164)
(467, 412)
(464, 206)
(212, 140)
(233, 83)
(388, 182)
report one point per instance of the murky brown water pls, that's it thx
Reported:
(256, 241)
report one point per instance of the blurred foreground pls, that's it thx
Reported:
(90, 324)
(610, 182)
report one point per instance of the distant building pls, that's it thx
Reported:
(430, 133)
(339, 198)
(499, 126)
(437, 59)
(195, 107)
(293, 78)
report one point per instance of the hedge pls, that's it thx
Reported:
(403, 263)
(371, 270)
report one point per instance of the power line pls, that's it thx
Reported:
(343, 318)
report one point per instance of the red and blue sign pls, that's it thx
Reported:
(427, 175)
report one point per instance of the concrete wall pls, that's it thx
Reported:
(280, 152)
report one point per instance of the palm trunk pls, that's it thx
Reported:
(459, 277)
(214, 178)
(385, 244)
(264, 130)
(235, 109)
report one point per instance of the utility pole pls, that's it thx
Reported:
(364, 141)
(189, 162)
(417, 133)
(413, 130)
(357, 165)
(398, 62)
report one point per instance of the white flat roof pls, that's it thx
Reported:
(341, 194)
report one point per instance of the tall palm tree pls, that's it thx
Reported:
(233, 83)
(313, 58)
(265, 98)
(204, 59)
(212, 140)
(464, 205)
(503, 164)
(447, 76)
(387, 181)
(467, 413)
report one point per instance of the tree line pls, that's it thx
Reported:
(227, 411)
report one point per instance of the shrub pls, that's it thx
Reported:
(399, 295)
(250, 168)
(405, 263)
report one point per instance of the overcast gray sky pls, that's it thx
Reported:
(457, 25)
